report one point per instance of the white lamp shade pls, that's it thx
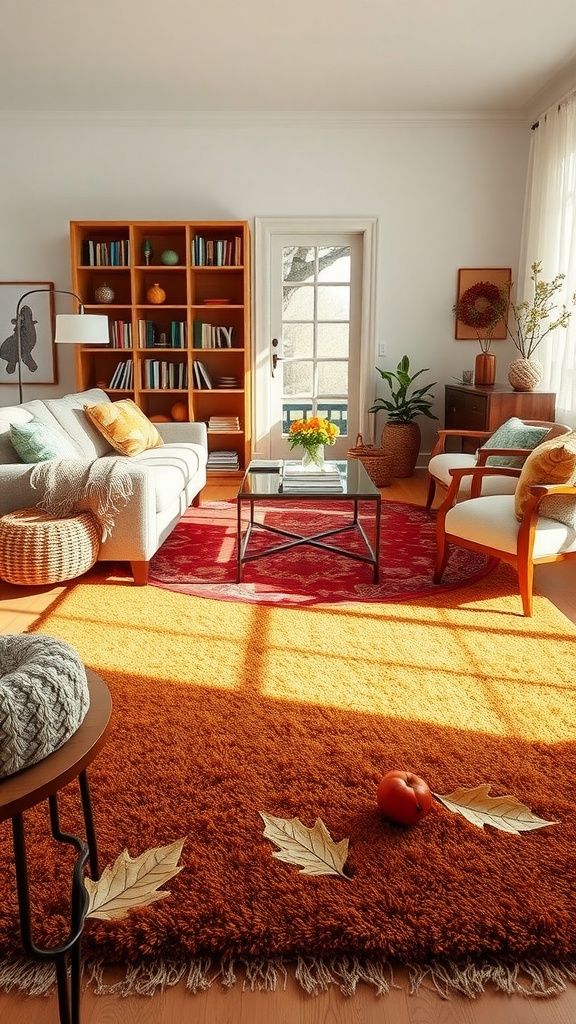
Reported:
(81, 329)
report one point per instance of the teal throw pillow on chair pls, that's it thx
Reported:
(514, 434)
(37, 441)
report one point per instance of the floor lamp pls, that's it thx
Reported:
(71, 328)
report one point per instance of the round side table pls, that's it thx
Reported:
(31, 786)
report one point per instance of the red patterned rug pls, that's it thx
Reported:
(199, 557)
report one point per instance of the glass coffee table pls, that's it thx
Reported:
(265, 483)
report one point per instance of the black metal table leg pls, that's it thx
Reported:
(66, 957)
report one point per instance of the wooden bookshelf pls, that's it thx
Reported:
(204, 318)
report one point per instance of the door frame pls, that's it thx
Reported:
(264, 229)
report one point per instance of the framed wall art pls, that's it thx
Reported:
(470, 280)
(38, 362)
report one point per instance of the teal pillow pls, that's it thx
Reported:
(514, 434)
(37, 441)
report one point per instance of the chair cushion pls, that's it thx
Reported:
(491, 522)
(514, 433)
(124, 426)
(36, 441)
(553, 462)
(440, 466)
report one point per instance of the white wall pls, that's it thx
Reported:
(448, 191)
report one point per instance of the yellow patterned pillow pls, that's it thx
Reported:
(552, 462)
(124, 426)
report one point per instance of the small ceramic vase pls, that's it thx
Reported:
(156, 295)
(104, 294)
(147, 251)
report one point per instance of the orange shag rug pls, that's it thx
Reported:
(225, 710)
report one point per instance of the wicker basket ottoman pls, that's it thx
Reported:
(37, 548)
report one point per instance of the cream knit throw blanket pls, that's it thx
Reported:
(102, 487)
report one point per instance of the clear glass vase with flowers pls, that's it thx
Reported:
(311, 435)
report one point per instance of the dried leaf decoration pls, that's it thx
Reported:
(312, 849)
(503, 812)
(132, 883)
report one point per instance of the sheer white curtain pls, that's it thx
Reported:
(549, 236)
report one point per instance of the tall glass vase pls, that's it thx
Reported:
(313, 457)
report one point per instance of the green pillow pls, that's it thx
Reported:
(514, 434)
(37, 441)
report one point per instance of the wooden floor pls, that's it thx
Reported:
(19, 608)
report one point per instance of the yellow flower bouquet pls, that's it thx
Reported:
(312, 435)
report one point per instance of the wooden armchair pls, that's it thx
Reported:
(489, 524)
(442, 462)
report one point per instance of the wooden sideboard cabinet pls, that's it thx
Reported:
(486, 407)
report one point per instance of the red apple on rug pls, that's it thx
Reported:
(403, 797)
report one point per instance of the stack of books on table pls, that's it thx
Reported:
(223, 460)
(325, 478)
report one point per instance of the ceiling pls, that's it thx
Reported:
(286, 55)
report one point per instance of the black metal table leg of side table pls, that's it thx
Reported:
(68, 953)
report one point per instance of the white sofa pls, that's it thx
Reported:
(166, 480)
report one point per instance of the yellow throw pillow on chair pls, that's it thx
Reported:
(124, 426)
(552, 462)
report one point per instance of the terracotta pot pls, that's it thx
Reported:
(485, 368)
(525, 374)
(401, 442)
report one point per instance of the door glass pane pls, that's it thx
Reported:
(298, 378)
(333, 302)
(299, 341)
(333, 340)
(336, 412)
(332, 378)
(292, 411)
(333, 263)
(299, 263)
(299, 303)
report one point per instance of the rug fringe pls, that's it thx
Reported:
(314, 975)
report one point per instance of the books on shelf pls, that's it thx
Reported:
(223, 460)
(163, 375)
(325, 478)
(123, 376)
(224, 423)
(149, 336)
(121, 333)
(211, 335)
(106, 254)
(216, 252)
(202, 379)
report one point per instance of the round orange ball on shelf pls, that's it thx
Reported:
(179, 411)
(159, 417)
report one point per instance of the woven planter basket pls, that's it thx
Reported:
(376, 462)
(525, 374)
(37, 549)
(401, 442)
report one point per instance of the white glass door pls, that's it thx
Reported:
(315, 345)
(314, 351)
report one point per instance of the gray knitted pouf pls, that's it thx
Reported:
(43, 698)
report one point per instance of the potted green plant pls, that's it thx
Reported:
(532, 321)
(401, 434)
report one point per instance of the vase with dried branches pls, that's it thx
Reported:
(482, 307)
